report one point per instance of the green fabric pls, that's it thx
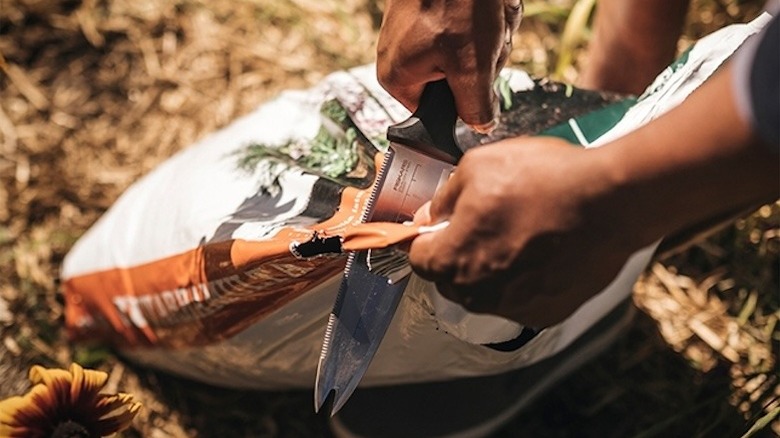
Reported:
(592, 125)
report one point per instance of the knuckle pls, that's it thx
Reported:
(471, 162)
(483, 117)
(386, 74)
(430, 265)
(503, 56)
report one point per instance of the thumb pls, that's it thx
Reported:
(423, 215)
(443, 203)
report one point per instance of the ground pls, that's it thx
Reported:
(96, 93)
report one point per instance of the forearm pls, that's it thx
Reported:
(698, 161)
(632, 42)
(648, 27)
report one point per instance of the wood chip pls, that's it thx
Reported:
(713, 340)
(26, 85)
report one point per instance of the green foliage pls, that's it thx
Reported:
(505, 91)
(332, 156)
(325, 155)
(574, 32)
(91, 356)
(333, 110)
(332, 153)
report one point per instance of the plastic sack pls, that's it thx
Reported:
(220, 265)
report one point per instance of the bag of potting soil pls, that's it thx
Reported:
(217, 265)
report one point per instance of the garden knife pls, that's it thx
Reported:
(420, 158)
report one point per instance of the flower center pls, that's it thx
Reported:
(71, 429)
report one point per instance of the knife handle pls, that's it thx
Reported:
(431, 129)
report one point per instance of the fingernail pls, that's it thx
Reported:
(485, 128)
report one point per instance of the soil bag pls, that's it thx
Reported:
(223, 264)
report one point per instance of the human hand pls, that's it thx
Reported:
(465, 41)
(529, 236)
(537, 227)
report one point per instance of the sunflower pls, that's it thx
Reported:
(66, 404)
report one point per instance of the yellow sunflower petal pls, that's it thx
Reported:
(109, 403)
(22, 415)
(57, 380)
(58, 394)
(86, 384)
(8, 409)
(121, 421)
(6, 430)
(42, 405)
(39, 374)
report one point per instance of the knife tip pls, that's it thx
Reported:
(337, 401)
(320, 399)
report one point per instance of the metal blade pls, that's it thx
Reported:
(366, 301)
(365, 307)
(420, 159)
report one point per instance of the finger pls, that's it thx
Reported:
(472, 71)
(403, 69)
(443, 203)
(390, 63)
(475, 100)
(476, 298)
(429, 256)
(405, 91)
(423, 215)
(513, 14)
(445, 289)
(504, 55)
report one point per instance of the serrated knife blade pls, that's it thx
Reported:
(421, 156)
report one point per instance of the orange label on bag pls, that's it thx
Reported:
(209, 293)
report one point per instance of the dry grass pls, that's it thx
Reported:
(96, 93)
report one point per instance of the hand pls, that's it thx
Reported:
(465, 41)
(530, 237)
(537, 226)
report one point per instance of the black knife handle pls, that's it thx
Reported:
(431, 129)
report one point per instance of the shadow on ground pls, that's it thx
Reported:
(639, 387)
